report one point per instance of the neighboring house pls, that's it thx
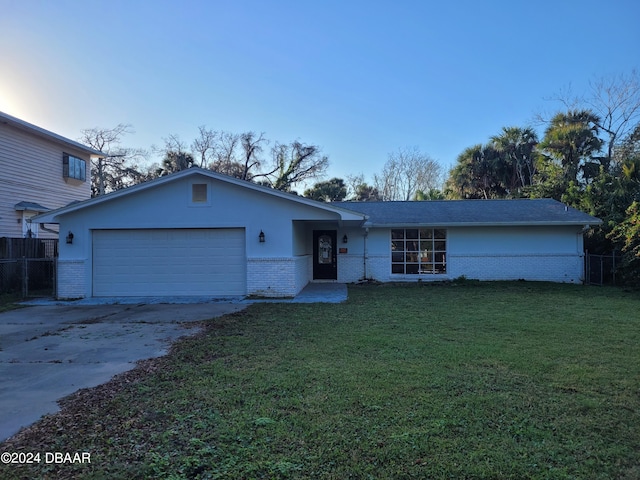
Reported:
(39, 171)
(201, 233)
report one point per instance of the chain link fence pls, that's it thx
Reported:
(28, 266)
(602, 269)
(28, 277)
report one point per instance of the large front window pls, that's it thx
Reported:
(418, 251)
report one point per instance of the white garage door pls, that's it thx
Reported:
(208, 262)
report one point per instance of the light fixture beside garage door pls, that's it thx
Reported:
(261, 236)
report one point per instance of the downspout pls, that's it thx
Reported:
(365, 254)
(584, 254)
(42, 226)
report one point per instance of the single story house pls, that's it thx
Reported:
(200, 233)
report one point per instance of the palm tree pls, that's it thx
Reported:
(517, 146)
(174, 161)
(461, 183)
(478, 174)
(572, 139)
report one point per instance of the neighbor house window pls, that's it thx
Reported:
(73, 167)
(199, 193)
(418, 250)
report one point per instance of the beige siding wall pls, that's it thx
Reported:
(31, 171)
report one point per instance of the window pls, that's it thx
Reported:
(418, 251)
(325, 250)
(29, 228)
(73, 167)
(199, 193)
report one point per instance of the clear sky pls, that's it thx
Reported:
(358, 78)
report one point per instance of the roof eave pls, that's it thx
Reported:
(345, 214)
(46, 134)
(483, 224)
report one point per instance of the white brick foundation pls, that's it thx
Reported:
(277, 277)
(350, 268)
(379, 268)
(566, 268)
(71, 279)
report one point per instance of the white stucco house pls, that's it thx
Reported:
(200, 233)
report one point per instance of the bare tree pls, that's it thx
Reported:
(353, 182)
(173, 143)
(119, 167)
(225, 159)
(252, 147)
(616, 101)
(293, 163)
(359, 191)
(205, 146)
(240, 156)
(406, 172)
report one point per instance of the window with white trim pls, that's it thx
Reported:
(417, 251)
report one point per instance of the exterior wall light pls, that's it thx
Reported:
(70, 237)
(261, 236)
(345, 239)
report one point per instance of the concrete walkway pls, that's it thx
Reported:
(322, 293)
(325, 292)
(313, 293)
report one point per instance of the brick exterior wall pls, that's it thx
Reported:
(350, 268)
(277, 277)
(537, 267)
(379, 268)
(534, 267)
(266, 277)
(303, 273)
(71, 279)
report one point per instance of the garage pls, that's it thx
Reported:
(166, 262)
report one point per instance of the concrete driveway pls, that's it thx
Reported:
(49, 352)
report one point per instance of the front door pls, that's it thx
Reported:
(325, 266)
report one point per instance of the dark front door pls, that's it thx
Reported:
(325, 266)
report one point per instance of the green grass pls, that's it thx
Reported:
(473, 380)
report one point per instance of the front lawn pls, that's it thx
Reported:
(472, 380)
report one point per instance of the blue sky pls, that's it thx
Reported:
(358, 78)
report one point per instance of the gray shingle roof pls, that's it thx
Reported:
(470, 212)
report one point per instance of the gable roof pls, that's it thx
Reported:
(436, 213)
(7, 119)
(444, 213)
(345, 214)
